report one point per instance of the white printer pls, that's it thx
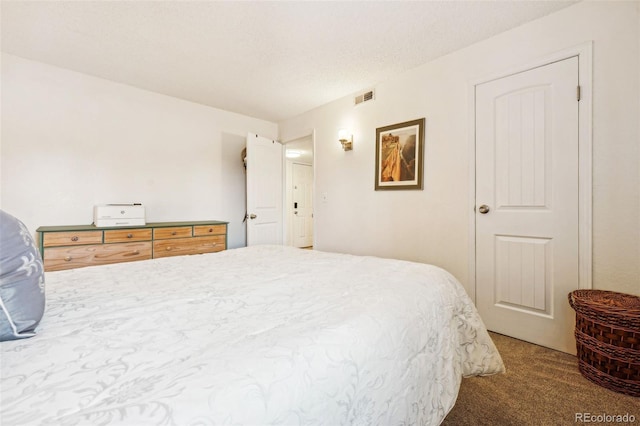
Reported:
(118, 215)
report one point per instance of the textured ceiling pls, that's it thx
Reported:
(271, 60)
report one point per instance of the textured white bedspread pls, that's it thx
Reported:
(260, 335)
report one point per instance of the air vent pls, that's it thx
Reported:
(365, 97)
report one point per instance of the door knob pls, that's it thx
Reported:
(484, 209)
(252, 216)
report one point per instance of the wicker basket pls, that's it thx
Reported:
(608, 338)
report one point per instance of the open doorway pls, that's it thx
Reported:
(299, 192)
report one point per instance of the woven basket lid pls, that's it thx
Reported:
(606, 298)
(608, 306)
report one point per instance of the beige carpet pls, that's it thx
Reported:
(541, 387)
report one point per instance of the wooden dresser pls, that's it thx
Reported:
(67, 247)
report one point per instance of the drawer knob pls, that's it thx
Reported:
(173, 233)
(67, 259)
(129, 235)
(168, 248)
(74, 238)
(136, 252)
(210, 229)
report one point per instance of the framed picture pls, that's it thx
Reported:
(399, 156)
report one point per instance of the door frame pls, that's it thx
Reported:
(584, 52)
(290, 217)
(287, 222)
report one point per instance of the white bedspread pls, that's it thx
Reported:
(261, 335)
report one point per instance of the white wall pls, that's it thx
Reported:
(70, 141)
(433, 225)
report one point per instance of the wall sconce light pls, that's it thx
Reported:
(345, 139)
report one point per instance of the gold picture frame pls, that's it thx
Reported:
(399, 155)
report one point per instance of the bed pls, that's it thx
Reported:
(250, 336)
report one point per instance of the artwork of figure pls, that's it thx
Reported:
(398, 157)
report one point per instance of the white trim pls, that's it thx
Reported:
(585, 167)
(315, 192)
(584, 52)
(471, 285)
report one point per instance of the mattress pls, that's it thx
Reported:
(250, 336)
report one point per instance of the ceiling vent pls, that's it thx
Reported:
(364, 97)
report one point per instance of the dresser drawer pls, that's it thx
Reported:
(127, 235)
(195, 245)
(59, 258)
(67, 247)
(202, 230)
(173, 232)
(72, 238)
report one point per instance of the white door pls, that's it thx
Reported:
(264, 190)
(302, 181)
(527, 203)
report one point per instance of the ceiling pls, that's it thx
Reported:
(270, 60)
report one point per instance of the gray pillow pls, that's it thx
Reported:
(21, 280)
